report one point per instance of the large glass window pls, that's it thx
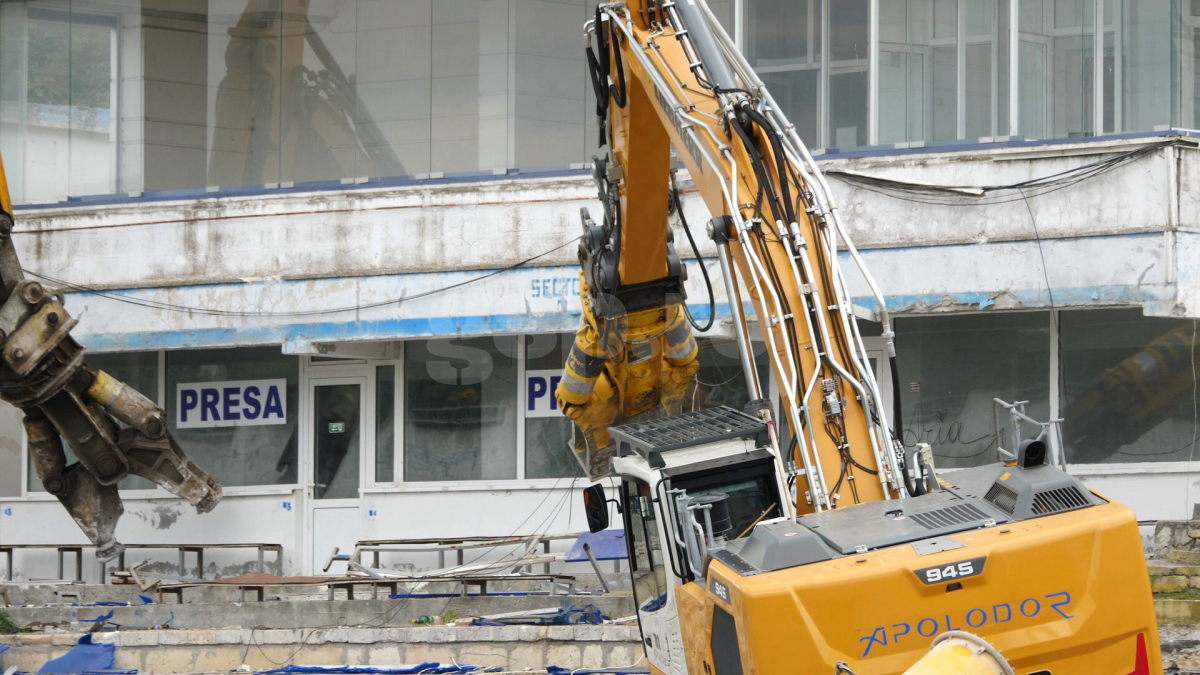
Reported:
(59, 115)
(111, 96)
(1129, 387)
(136, 369)
(1057, 72)
(235, 412)
(848, 52)
(784, 46)
(101, 96)
(548, 449)
(721, 379)
(460, 409)
(1135, 29)
(921, 88)
(951, 367)
(11, 435)
(385, 424)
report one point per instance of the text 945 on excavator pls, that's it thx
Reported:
(829, 548)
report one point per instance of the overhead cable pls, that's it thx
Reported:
(170, 307)
(988, 195)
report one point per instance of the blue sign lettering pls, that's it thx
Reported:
(554, 288)
(540, 400)
(975, 617)
(228, 404)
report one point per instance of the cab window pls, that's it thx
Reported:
(645, 548)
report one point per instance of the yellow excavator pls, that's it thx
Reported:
(828, 549)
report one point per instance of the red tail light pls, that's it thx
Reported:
(1142, 664)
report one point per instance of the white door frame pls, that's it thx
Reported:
(357, 374)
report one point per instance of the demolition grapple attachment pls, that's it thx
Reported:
(113, 430)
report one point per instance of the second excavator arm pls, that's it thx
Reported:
(666, 74)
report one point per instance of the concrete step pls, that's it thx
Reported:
(1177, 611)
(511, 648)
(1184, 557)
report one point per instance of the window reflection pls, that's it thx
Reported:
(1129, 387)
(952, 367)
(460, 409)
(239, 455)
(107, 96)
(548, 447)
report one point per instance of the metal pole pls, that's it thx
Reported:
(1014, 45)
(735, 309)
(873, 74)
(596, 566)
(1098, 69)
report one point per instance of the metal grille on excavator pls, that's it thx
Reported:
(951, 515)
(1062, 499)
(1002, 497)
(688, 429)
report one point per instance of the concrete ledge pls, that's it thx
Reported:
(509, 647)
(311, 613)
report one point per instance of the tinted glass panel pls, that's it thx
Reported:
(262, 454)
(952, 367)
(460, 409)
(548, 450)
(337, 440)
(1129, 387)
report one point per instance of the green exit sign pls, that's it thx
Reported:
(337, 427)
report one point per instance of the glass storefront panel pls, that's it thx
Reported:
(235, 412)
(234, 93)
(385, 424)
(920, 74)
(1144, 85)
(548, 449)
(113, 96)
(60, 118)
(337, 440)
(849, 51)
(951, 367)
(460, 409)
(1129, 387)
(783, 44)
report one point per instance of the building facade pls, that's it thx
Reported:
(336, 240)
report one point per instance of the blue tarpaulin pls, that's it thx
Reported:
(630, 670)
(564, 616)
(85, 658)
(430, 668)
(605, 545)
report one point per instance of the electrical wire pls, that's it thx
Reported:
(205, 311)
(712, 298)
(988, 195)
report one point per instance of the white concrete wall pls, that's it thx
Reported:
(440, 227)
(1126, 237)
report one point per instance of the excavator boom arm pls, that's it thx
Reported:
(666, 74)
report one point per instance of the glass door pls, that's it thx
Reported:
(339, 432)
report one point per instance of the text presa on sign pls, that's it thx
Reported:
(230, 404)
